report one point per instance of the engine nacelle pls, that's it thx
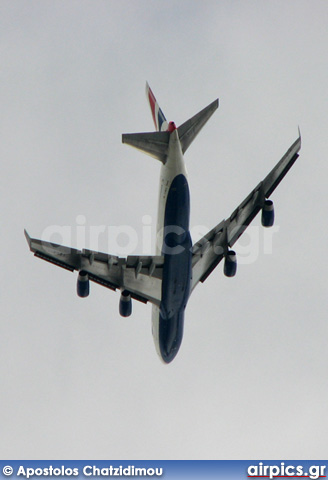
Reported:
(230, 264)
(125, 304)
(83, 284)
(267, 214)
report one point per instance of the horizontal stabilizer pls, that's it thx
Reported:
(190, 129)
(154, 144)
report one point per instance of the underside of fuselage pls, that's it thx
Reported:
(176, 249)
(175, 294)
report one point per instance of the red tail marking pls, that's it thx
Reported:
(152, 101)
(171, 127)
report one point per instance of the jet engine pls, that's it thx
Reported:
(230, 264)
(83, 284)
(125, 304)
(267, 214)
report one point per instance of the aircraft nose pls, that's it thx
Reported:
(169, 355)
(170, 339)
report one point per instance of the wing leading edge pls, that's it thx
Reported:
(211, 249)
(140, 275)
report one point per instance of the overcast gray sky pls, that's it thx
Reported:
(78, 381)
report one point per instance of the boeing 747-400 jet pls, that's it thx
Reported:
(167, 279)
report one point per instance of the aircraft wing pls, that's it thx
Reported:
(140, 275)
(209, 251)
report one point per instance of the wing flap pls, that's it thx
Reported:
(54, 262)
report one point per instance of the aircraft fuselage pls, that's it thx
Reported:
(174, 238)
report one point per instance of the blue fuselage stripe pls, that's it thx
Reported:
(177, 267)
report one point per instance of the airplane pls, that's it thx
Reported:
(167, 279)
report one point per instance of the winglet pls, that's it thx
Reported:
(299, 133)
(28, 238)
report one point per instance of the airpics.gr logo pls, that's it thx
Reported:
(287, 471)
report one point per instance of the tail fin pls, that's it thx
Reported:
(157, 114)
(156, 144)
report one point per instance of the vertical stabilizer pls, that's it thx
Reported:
(160, 121)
